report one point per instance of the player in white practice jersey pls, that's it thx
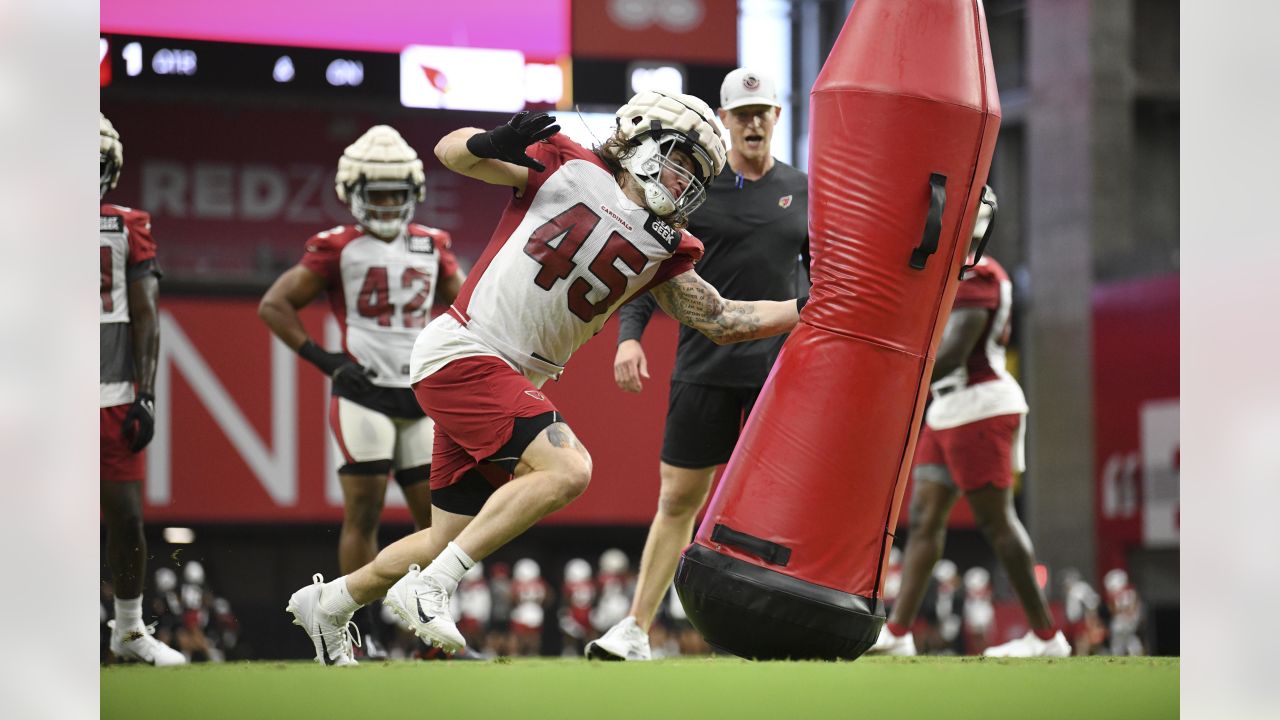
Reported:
(129, 346)
(382, 277)
(584, 231)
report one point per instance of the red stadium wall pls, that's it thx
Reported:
(241, 433)
(1136, 428)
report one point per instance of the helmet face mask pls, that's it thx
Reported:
(383, 207)
(652, 161)
(381, 179)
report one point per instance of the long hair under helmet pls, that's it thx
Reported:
(654, 124)
(380, 161)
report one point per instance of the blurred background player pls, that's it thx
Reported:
(971, 443)
(755, 229)
(979, 613)
(532, 596)
(498, 639)
(1081, 604)
(584, 231)
(617, 586)
(382, 277)
(1126, 613)
(474, 604)
(577, 596)
(129, 345)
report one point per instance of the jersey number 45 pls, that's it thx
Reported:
(571, 228)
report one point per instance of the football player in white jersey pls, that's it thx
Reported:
(382, 275)
(585, 231)
(971, 444)
(129, 337)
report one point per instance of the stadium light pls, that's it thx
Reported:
(179, 535)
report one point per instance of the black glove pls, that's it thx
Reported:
(140, 422)
(507, 142)
(345, 372)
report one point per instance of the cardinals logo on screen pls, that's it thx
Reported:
(455, 78)
(437, 79)
(784, 201)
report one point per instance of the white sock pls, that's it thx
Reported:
(449, 567)
(335, 598)
(128, 613)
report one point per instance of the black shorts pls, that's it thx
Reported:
(703, 423)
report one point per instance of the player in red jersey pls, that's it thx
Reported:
(585, 231)
(971, 443)
(129, 338)
(382, 276)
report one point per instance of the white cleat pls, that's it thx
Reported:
(137, 645)
(1031, 646)
(624, 641)
(331, 634)
(423, 605)
(890, 644)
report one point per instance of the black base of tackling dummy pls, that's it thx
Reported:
(760, 614)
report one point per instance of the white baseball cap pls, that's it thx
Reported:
(745, 86)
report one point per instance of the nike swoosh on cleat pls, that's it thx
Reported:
(421, 615)
(324, 649)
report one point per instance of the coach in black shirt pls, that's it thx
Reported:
(754, 225)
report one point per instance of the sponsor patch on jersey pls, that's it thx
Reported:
(666, 235)
(784, 201)
(422, 244)
(110, 223)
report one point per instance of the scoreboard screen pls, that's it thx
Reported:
(417, 76)
(165, 64)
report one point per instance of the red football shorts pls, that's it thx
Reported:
(975, 454)
(116, 462)
(475, 402)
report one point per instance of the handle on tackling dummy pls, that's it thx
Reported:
(932, 223)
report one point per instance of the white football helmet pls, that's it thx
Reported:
(977, 579)
(655, 124)
(110, 156)
(381, 162)
(614, 562)
(526, 570)
(166, 580)
(577, 570)
(193, 573)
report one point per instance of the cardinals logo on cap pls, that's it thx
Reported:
(750, 82)
(784, 201)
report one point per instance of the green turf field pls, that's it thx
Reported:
(705, 688)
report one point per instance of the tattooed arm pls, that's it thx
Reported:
(694, 302)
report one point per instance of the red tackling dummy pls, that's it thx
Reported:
(787, 562)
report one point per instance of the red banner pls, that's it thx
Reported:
(241, 434)
(235, 191)
(1136, 436)
(692, 31)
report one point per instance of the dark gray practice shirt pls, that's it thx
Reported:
(755, 234)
